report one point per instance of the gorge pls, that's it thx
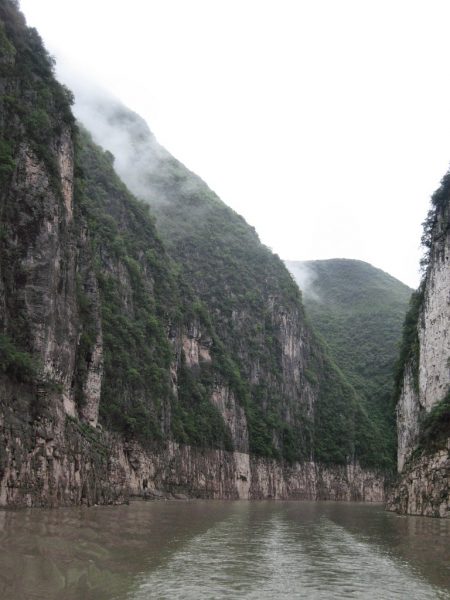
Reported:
(135, 365)
(152, 347)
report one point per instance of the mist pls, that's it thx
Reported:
(143, 164)
(305, 276)
(325, 150)
(149, 171)
(121, 132)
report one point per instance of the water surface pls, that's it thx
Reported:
(209, 549)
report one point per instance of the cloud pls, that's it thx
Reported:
(305, 276)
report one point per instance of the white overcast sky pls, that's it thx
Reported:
(325, 123)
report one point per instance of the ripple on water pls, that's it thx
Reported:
(206, 550)
(278, 558)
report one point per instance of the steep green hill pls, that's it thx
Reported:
(298, 403)
(359, 311)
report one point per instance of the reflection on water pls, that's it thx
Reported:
(197, 550)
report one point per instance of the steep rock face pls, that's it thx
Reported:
(423, 408)
(45, 244)
(196, 348)
(60, 462)
(49, 459)
(427, 375)
(408, 415)
(234, 416)
(434, 330)
(129, 371)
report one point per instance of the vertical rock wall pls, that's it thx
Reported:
(423, 487)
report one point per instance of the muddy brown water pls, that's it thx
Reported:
(211, 549)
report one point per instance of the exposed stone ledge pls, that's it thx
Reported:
(71, 463)
(423, 488)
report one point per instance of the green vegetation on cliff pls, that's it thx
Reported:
(38, 105)
(15, 363)
(140, 300)
(136, 314)
(34, 107)
(434, 426)
(359, 311)
(409, 346)
(298, 403)
(128, 300)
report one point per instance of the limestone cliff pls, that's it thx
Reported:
(132, 369)
(423, 409)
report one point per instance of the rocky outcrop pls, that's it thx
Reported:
(424, 486)
(430, 381)
(434, 327)
(47, 246)
(196, 346)
(58, 461)
(233, 415)
(51, 459)
(423, 465)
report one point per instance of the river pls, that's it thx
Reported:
(210, 549)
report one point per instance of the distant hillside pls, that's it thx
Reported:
(359, 311)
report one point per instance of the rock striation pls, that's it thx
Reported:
(69, 464)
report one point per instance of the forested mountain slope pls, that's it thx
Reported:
(250, 298)
(359, 311)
